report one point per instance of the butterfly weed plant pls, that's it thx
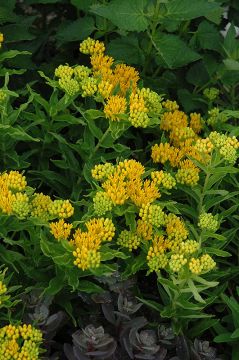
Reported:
(83, 197)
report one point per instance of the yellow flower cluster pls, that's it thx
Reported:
(152, 100)
(87, 243)
(115, 106)
(129, 239)
(124, 182)
(170, 105)
(61, 208)
(138, 114)
(156, 257)
(3, 291)
(152, 214)
(20, 342)
(163, 178)
(115, 85)
(201, 265)
(208, 221)
(227, 146)
(173, 250)
(14, 200)
(60, 229)
(102, 203)
(1, 39)
(102, 171)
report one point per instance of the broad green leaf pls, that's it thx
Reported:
(231, 64)
(208, 36)
(186, 9)
(126, 49)
(127, 15)
(76, 30)
(172, 52)
(55, 285)
(18, 32)
(82, 4)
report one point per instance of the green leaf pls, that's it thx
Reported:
(201, 327)
(12, 53)
(89, 287)
(151, 304)
(172, 51)
(127, 15)
(195, 292)
(76, 30)
(18, 32)
(108, 254)
(231, 64)
(226, 337)
(208, 36)
(55, 285)
(217, 252)
(186, 9)
(126, 49)
(235, 334)
(16, 133)
(82, 4)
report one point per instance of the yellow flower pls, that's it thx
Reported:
(81, 72)
(144, 229)
(1, 39)
(153, 101)
(88, 86)
(126, 76)
(20, 205)
(196, 122)
(176, 231)
(176, 262)
(131, 169)
(170, 105)
(91, 46)
(101, 65)
(116, 188)
(40, 205)
(102, 228)
(188, 174)
(6, 198)
(60, 229)
(102, 171)
(156, 257)
(70, 86)
(142, 192)
(153, 214)
(102, 203)
(61, 208)
(129, 239)
(64, 72)
(14, 180)
(138, 111)
(195, 266)
(173, 120)
(165, 152)
(105, 89)
(115, 106)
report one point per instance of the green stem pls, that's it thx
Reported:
(99, 144)
(200, 205)
(154, 25)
